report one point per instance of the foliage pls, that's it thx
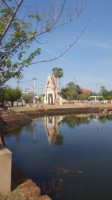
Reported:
(12, 94)
(13, 33)
(84, 96)
(16, 194)
(90, 98)
(9, 94)
(105, 93)
(2, 91)
(28, 97)
(58, 73)
(100, 98)
(71, 91)
(18, 34)
(55, 72)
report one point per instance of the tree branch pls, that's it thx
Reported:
(50, 29)
(56, 57)
(8, 25)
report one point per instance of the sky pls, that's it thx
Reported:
(88, 63)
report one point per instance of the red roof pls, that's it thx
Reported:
(54, 81)
(86, 91)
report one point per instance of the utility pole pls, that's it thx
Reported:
(17, 82)
(99, 86)
(34, 89)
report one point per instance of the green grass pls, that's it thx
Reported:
(15, 195)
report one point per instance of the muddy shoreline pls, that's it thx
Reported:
(9, 121)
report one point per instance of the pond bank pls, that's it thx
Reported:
(22, 116)
(26, 186)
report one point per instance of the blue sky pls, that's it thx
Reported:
(89, 62)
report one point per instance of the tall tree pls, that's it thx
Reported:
(58, 73)
(71, 91)
(12, 95)
(55, 72)
(28, 97)
(18, 35)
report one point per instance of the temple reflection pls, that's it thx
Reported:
(52, 125)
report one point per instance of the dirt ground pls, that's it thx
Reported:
(66, 106)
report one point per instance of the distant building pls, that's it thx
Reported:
(85, 91)
(52, 91)
(26, 91)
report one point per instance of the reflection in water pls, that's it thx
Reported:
(53, 185)
(72, 121)
(34, 130)
(80, 168)
(52, 125)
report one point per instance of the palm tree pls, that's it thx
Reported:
(55, 73)
(58, 73)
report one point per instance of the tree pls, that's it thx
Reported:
(28, 97)
(12, 95)
(105, 93)
(71, 91)
(55, 72)
(100, 98)
(83, 96)
(58, 73)
(18, 35)
(2, 93)
(70, 85)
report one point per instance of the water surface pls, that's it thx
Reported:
(69, 157)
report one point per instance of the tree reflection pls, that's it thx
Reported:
(72, 121)
(103, 118)
(58, 140)
(32, 129)
(14, 132)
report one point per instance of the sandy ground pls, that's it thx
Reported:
(77, 105)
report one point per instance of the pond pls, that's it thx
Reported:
(69, 157)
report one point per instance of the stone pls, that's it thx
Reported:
(29, 189)
(44, 197)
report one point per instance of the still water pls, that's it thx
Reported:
(69, 157)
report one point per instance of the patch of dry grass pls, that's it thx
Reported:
(15, 195)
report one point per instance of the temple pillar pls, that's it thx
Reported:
(47, 99)
(53, 98)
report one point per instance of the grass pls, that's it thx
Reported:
(14, 195)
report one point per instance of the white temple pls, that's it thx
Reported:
(52, 91)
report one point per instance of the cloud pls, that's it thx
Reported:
(103, 45)
(97, 44)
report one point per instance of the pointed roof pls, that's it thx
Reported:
(54, 82)
(51, 84)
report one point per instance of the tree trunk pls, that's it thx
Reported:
(59, 82)
(12, 103)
